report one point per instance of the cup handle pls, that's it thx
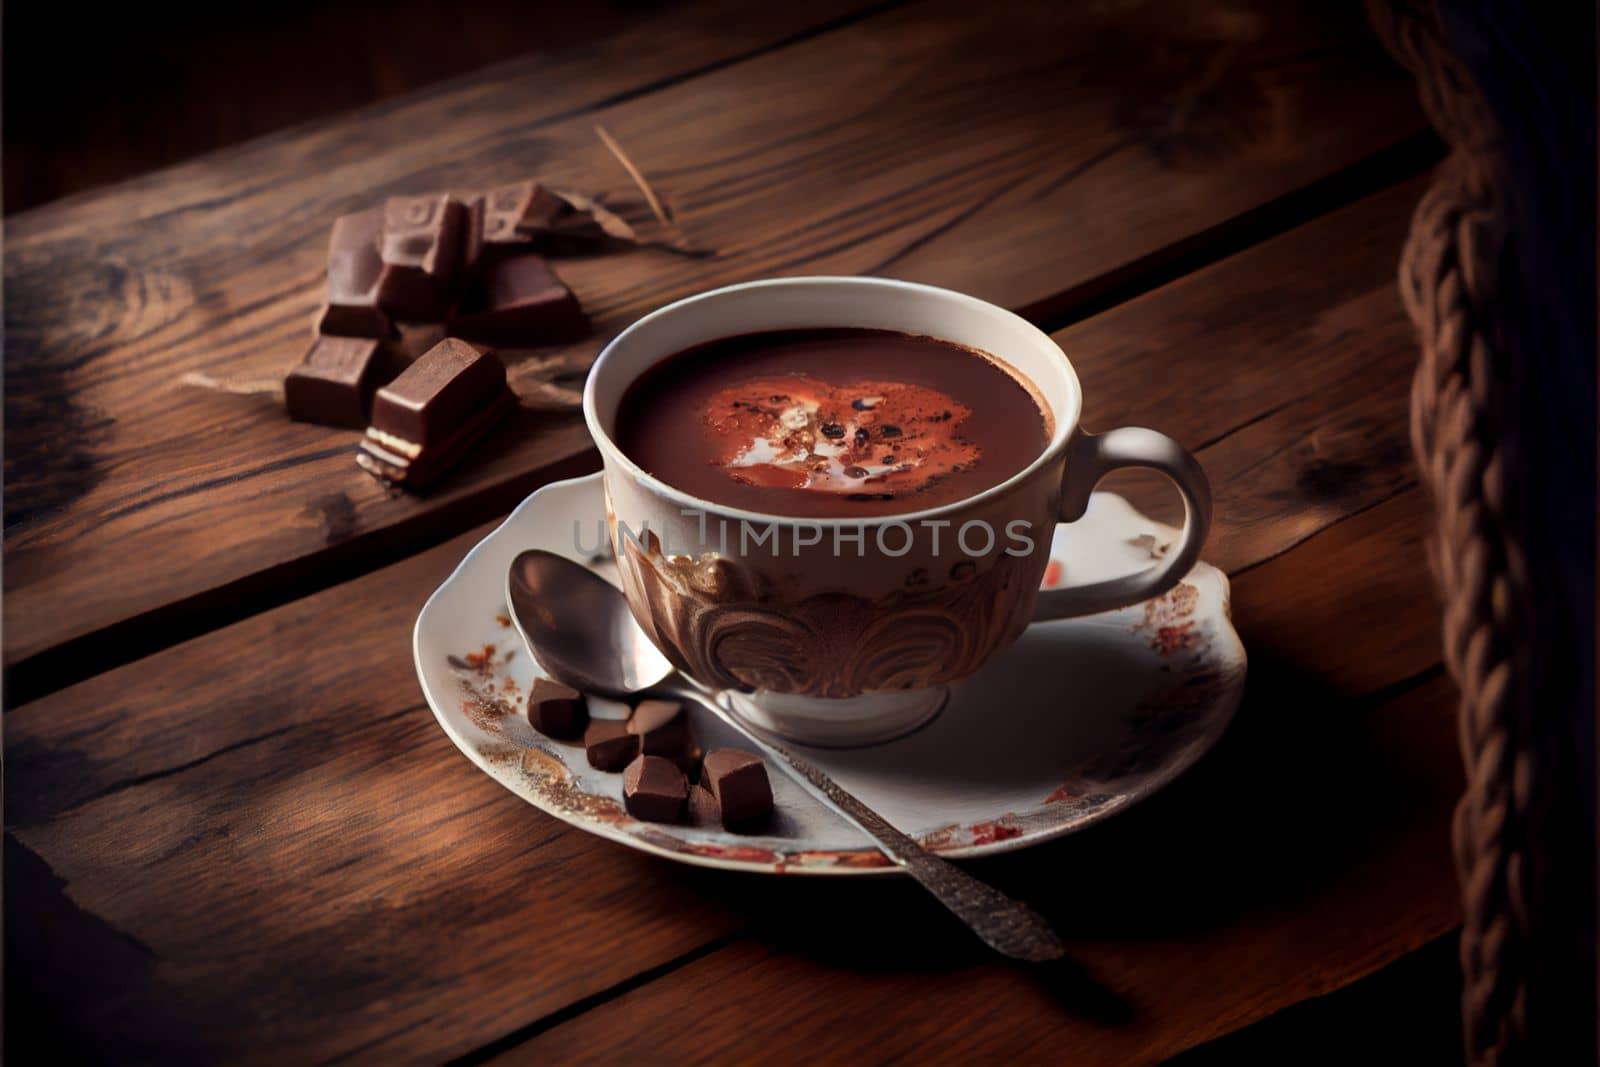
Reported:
(1090, 458)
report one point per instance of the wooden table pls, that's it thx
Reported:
(233, 830)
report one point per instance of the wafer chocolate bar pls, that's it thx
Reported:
(429, 417)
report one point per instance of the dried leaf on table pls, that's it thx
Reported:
(591, 215)
(657, 208)
(592, 222)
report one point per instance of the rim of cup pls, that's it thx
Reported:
(1065, 421)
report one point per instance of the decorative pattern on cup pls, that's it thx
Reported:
(726, 624)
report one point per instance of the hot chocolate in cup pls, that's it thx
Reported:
(831, 529)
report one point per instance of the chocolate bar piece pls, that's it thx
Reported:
(703, 810)
(429, 417)
(334, 384)
(662, 727)
(654, 789)
(528, 217)
(511, 218)
(518, 301)
(443, 389)
(557, 710)
(423, 241)
(738, 781)
(609, 745)
(354, 266)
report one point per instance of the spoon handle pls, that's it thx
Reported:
(1008, 926)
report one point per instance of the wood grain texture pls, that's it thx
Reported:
(1217, 359)
(267, 831)
(216, 265)
(1206, 359)
(345, 839)
(152, 88)
(1415, 1003)
(1026, 160)
(302, 863)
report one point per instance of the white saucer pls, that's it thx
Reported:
(1074, 722)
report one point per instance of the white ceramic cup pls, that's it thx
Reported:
(819, 636)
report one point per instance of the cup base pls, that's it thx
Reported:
(869, 719)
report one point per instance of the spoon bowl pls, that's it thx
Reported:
(597, 645)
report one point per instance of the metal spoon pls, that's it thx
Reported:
(597, 646)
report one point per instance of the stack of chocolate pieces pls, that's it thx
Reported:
(473, 266)
(665, 776)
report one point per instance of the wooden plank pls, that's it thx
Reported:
(271, 801)
(1252, 358)
(1205, 359)
(115, 294)
(1010, 160)
(1309, 850)
(154, 91)
(1415, 1003)
(345, 839)
(627, 58)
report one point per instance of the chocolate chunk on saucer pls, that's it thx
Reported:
(557, 710)
(662, 727)
(334, 384)
(354, 266)
(518, 301)
(421, 248)
(609, 745)
(654, 789)
(429, 417)
(738, 781)
(703, 810)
